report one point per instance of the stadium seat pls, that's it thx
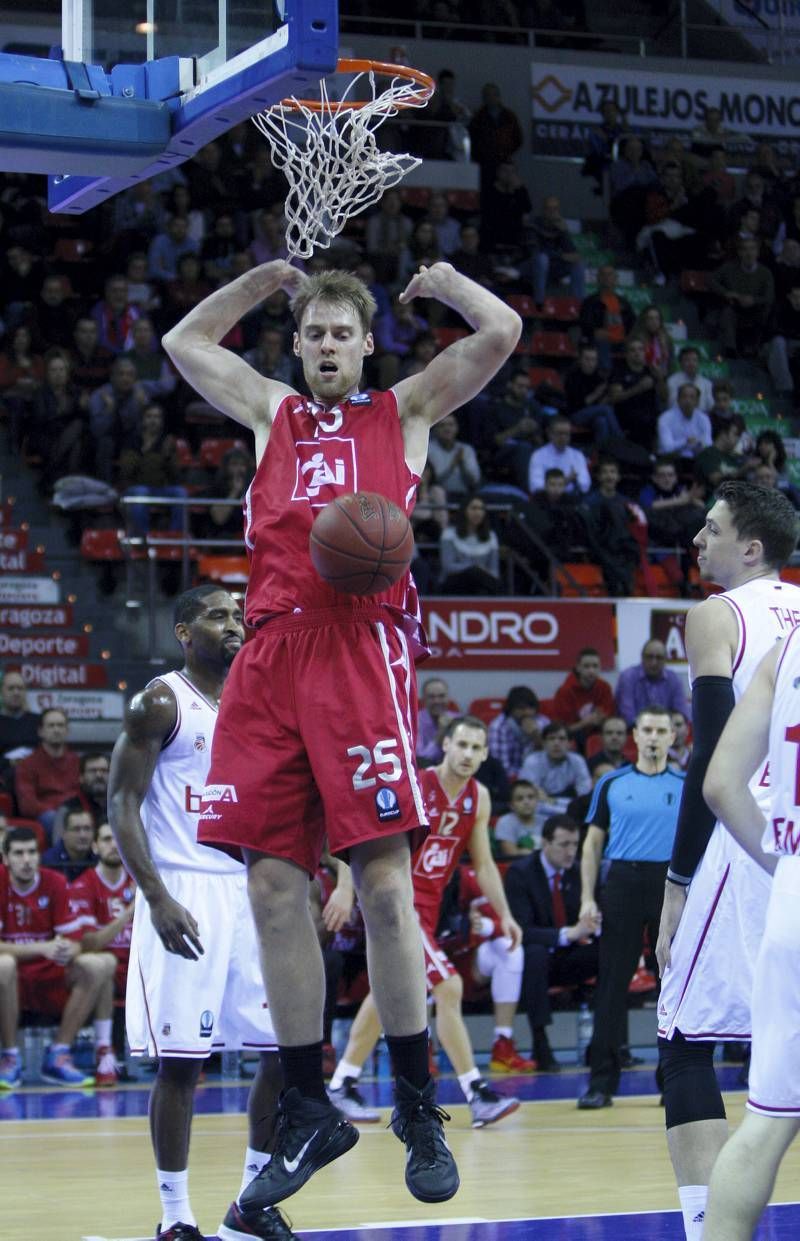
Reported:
(524, 305)
(791, 573)
(101, 545)
(486, 708)
(577, 579)
(561, 309)
(545, 375)
(416, 196)
(183, 453)
(657, 582)
(552, 345)
(466, 201)
(695, 282)
(200, 413)
(229, 569)
(447, 335)
(213, 450)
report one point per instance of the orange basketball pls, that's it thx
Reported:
(361, 543)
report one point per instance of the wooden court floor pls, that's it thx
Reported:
(69, 1179)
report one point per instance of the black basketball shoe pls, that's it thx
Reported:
(310, 1135)
(431, 1172)
(179, 1232)
(267, 1223)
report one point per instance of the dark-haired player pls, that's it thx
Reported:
(193, 984)
(316, 735)
(458, 808)
(716, 896)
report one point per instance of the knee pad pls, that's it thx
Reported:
(691, 1089)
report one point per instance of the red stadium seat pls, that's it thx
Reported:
(183, 452)
(486, 708)
(213, 450)
(524, 305)
(545, 375)
(101, 545)
(695, 281)
(228, 569)
(561, 309)
(552, 345)
(791, 573)
(447, 335)
(466, 201)
(587, 579)
(416, 196)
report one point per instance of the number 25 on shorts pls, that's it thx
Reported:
(382, 759)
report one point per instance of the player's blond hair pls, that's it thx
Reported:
(340, 287)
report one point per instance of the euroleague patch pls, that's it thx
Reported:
(387, 805)
(206, 1024)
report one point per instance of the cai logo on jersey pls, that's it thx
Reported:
(435, 858)
(325, 469)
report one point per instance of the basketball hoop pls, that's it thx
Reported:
(329, 154)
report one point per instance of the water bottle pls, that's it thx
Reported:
(585, 1031)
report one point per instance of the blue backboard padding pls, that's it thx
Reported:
(52, 131)
(309, 53)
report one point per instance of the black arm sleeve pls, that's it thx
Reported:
(712, 703)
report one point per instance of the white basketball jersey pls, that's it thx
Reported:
(172, 803)
(782, 833)
(765, 610)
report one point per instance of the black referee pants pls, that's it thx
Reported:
(630, 900)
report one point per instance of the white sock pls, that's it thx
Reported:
(254, 1161)
(503, 1032)
(102, 1032)
(467, 1080)
(345, 1069)
(173, 1190)
(693, 1205)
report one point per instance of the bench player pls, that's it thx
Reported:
(715, 896)
(458, 808)
(193, 985)
(763, 725)
(103, 897)
(316, 734)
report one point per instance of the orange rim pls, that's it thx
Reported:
(415, 76)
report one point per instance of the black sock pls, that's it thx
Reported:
(409, 1056)
(302, 1067)
(541, 1043)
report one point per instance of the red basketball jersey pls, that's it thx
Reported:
(37, 915)
(314, 455)
(97, 903)
(451, 824)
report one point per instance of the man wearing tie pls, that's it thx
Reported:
(544, 893)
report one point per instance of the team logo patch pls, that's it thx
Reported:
(387, 805)
(467, 804)
(669, 798)
(43, 902)
(166, 1029)
(199, 742)
(206, 1024)
(325, 469)
(361, 398)
(195, 706)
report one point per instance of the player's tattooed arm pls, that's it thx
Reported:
(149, 719)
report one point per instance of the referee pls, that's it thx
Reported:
(632, 819)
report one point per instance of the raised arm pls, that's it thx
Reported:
(220, 376)
(461, 371)
(149, 719)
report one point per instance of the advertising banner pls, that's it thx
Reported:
(31, 590)
(566, 101)
(80, 705)
(500, 634)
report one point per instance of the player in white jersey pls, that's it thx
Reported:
(194, 982)
(765, 722)
(715, 898)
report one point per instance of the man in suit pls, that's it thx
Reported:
(544, 893)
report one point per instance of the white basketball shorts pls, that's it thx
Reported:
(775, 1060)
(178, 1007)
(705, 994)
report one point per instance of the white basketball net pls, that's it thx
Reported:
(331, 159)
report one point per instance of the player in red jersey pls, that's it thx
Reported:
(42, 965)
(459, 809)
(316, 732)
(103, 898)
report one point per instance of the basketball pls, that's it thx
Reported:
(361, 543)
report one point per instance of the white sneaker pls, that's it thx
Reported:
(350, 1102)
(488, 1105)
(107, 1071)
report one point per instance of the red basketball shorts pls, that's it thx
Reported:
(42, 988)
(315, 738)
(438, 966)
